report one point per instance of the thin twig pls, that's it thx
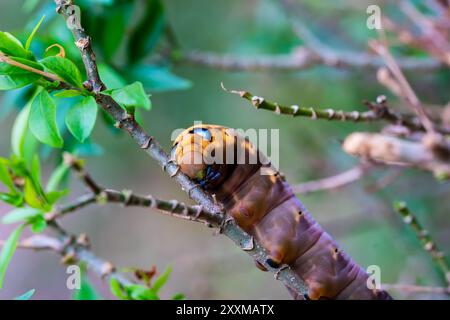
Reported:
(300, 59)
(12, 62)
(407, 92)
(127, 198)
(127, 122)
(379, 112)
(333, 182)
(425, 239)
(77, 165)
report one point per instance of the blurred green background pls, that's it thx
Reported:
(208, 266)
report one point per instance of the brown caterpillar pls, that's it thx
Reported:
(265, 207)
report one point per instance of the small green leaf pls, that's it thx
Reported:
(21, 215)
(56, 177)
(131, 96)
(54, 196)
(162, 279)
(19, 131)
(38, 223)
(65, 69)
(86, 291)
(117, 289)
(42, 120)
(11, 46)
(8, 249)
(139, 292)
(33, 196)
(13, 199)
(36, 170)
(26, 296)
(81, 118)
(67, 94)
(5, 176)
(30, 38)
(12, 77)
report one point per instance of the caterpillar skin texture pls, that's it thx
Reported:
(265, 207)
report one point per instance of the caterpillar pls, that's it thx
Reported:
(227, 165)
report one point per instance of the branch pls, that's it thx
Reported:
(407, 92)
(127, 123)
(425, 239)
(72, 251)
(379, 111)
(394, 151)
(333, 182)
(4, 58)
(127, 198)
(300, 59)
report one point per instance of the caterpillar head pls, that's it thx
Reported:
(201, 152)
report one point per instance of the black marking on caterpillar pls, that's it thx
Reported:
(265, 207)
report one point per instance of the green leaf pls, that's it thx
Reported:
(67, 94)
(26, 296)
(159, 78)
(54, 196)
(30, 38)
(19, 131)
(21, 215)
(162, 279)
(42, 120)
(13, 199)
(38, 223)
(8, 249)
(11, 46)
(147, 32)
(57, 177)
(36, 170)
(139, 292)
(12, 77)
(131, 96)
(81, 118)
(5, 176)
(65, 69)
(86, 291)
(117, 289)
(33, 196)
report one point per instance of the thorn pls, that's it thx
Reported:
(147, 143)
(256, 101)
(313, 113)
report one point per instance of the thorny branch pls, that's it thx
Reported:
(127, 123)
(378, 111)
